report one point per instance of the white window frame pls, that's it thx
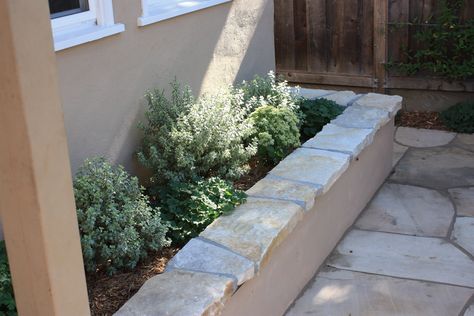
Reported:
(158, 10)
(79, 28)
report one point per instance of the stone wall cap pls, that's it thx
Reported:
(180, 293)
(342, 98)
(312, 93)
(313, 166)
(390, 103)
(203, 256)
(343, 139)
(281, 189)
(255, 228)
(357, 116)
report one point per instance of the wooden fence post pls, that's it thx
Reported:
(380, 44)
(36, 198)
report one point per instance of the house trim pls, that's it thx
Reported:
(158, 10)
(96, 23)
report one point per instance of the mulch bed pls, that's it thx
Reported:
(258, 170)
(426, 120)
(108, 293)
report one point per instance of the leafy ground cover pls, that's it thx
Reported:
(460, 117)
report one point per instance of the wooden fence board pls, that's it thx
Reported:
(411, 83)
(398, 35)
(300, 33)
(284, 34)
(329, 79)
(348, 42)
(318, 36)
(366, 7)
(380, 42)
(350, 38)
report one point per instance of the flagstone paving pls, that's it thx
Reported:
(409, 210)
(464, 200)
(437, 167)
(463, 233)
(469, 311)
(465, 141)
(411, 252)
(339, 292)
(398, 152)
(415, 137)
(419, 258)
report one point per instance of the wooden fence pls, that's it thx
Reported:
(348, 42)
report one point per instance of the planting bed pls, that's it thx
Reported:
(255, 260)
(107, 293)
(426, 120)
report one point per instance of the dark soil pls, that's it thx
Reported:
(258, 170)
(108, 293)
(426, 120)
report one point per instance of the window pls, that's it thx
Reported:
(75, 22)
(159, 10)
(59, 8)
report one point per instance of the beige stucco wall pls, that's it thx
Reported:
(102, 83)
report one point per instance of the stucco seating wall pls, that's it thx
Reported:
(257, 259)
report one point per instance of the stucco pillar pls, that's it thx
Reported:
(36, 198)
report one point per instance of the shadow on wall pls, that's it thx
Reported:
(262, 37)
(245, 47)
(102, 83)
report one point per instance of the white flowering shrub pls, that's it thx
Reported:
(204, 138)
(211, 137)
(269, 90)
(157, 153)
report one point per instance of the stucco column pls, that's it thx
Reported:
(36, 198)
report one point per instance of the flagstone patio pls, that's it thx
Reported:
(411, 252)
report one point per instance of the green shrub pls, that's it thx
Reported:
(7, 300)
(118, 226)
(190, 207)
(157, 154)
(269, 90)
(460, 117)
(317, 113)
(202, 138)
(277, 132)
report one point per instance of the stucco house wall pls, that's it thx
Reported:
(102, 83)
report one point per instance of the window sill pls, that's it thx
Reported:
(168, 9)
(87, 33)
